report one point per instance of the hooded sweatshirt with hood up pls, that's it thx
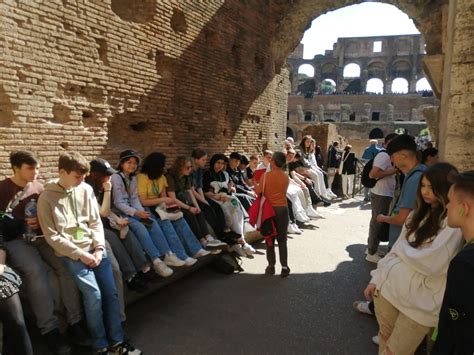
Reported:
(61, 212)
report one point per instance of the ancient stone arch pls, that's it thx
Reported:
(376, 69)
(141, 79)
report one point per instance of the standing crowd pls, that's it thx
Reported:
(422, 288)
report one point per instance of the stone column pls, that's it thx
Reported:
(364, 76)
(317, 77)
(390, 109)
(387, 86)
(321, 113)
(339, 79)
(412, 85)
(456, 129)
(367, 116)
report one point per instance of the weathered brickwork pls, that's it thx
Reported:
(100, 76)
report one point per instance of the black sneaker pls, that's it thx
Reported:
(137, 284)
(57, 343)
(78, 334)
(285, 272)
(150, 276)
(124, 349)
(270, 270)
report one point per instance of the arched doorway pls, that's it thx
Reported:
(289, 132)
(376, 133)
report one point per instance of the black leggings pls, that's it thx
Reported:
(214, 215)
(16, 340)
(281, 224)
(197, 223)
(291, 214)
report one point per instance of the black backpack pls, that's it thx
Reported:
(227, 263)
(365, 180)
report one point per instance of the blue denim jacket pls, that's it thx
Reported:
(125, 199)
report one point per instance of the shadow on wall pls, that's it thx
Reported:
(204, 96)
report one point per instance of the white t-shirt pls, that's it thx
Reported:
(385, 186)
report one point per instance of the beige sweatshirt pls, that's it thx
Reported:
(61, 212)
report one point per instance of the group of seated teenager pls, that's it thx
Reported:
(53, 241)
(98, 228)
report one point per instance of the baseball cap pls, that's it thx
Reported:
(102, 166)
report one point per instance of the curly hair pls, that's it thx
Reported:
(154, 165)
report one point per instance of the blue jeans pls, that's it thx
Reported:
(151, 238)
(187, 236)
(173, 240)
(100, 298)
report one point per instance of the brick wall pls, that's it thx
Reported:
(100, 77)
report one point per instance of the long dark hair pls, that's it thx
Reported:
(427, 219)
(214, 160)
(154, 165)
(95, 180)
(303, 143)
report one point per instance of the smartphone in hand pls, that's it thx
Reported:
(147, 222)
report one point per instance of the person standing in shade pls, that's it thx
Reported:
(403, 153)
(381, 196)
(273, 185)
(369, 153)
(456, 319)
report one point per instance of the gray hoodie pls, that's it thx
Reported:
(61, 212)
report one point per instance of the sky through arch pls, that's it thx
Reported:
(362, 20)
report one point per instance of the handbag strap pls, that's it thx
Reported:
(264, 179)
(16, 199)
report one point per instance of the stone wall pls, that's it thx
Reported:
(103, 76)
(338, 107)
(456, 120)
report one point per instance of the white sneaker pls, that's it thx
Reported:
(297, 229)
(161, 269)
(312, 213)
(237, 248)
(190, 261)
(201, 253)
(292, 229)
(172, 260)
(362, 307)
(215, 243)
(249, 250)
(373, 258)
(375, 340)
(302, 217)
